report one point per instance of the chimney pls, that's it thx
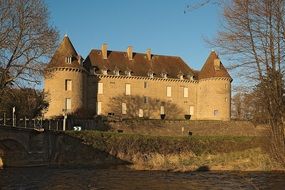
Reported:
(104, 48)
(217, 64)
(130, 52)
(148, 54)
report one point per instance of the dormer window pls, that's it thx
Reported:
(68, 60)
(104, 71)
(128, 73)
(190, 77)
(180, 75)
(164, 75)
(217, 64)
(94, 70)
(116, 72)
(150, 74)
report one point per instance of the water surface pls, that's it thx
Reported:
(126, 179)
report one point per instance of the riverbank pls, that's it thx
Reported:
(147, 152)
(182, 127)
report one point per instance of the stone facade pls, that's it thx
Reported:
(131, 85)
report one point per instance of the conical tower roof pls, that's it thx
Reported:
(209, 70)
(64, 51)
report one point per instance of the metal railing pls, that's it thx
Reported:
(33, 123)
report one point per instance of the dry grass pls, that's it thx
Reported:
(247, 160)
(200, 128)
(182, 153)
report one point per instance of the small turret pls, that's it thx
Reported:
(65, 55)
(64, 80)
(213, 67)
(214, 92)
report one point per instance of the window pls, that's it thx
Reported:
(140, 112)
(185, 92)
(162, 110)
(216, 112)
(145, 84)
(164, 75)
(104, 71)
(116, 72)
(68, 60)
(180, 76)
(168, 91)
(124, 108)
(191, 110)
(100, 88)
(128, 73)
(146, 100)
(128, 89)
(99, 108)
(67, 104)
(150, 74)
(217, 64)
(68, 85)
(226, 86)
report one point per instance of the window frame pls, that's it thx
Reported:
(124, 108)
(185, 92)
(100, 88)
(68, 104)
(168, 91)
(127, 89)
(68, 86)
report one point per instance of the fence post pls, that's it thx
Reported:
(57, 124)
(25, 122)
(14, 118)
(4, 119)
(34, 123)
(64, 122)
(48, 124)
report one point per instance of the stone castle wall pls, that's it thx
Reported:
(148, 94)
(210, 99)
(55, 87)
(214, 99)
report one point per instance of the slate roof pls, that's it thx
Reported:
(139, 65)
(209, 71)
(64, 50)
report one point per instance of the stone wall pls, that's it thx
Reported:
(148, 89)
(209, 99)
(214, 99)
(56, 92)
(51, 148)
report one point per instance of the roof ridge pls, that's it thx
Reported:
(117, 51)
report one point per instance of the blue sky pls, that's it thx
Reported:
(157, 24)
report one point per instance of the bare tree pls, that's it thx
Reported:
(29, 102)
(253, 36)
(26, 40)
(249, 105)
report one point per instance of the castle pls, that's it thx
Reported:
(130, 84)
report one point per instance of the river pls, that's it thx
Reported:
(126, 179)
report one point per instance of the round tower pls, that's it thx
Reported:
(65, 79)
(214, 91)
